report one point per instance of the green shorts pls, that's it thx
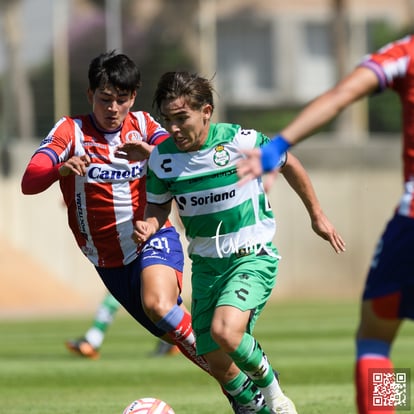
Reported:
(245, 283)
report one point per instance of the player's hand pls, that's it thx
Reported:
(257, 161)
(324, 228)
(134, 151)
(250, 167)
(143, 230)
(269, 179)
(75, 165)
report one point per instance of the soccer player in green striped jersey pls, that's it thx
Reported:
(229, 229)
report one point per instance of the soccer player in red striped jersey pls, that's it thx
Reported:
(105, 194)
(389, 290)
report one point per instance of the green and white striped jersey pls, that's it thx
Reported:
(220, 217)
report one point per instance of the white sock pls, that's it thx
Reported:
(271, 393)
(95, 337)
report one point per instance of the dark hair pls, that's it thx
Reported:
(198, 91)
(117, 70)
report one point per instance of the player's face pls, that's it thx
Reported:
(189, 127)
(110, 106)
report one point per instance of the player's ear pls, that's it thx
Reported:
(89, 94)
(133, 96)
(207, 111)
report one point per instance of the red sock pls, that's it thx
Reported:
(183, 337)
(363, 383)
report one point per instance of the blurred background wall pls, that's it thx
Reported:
(266, 58)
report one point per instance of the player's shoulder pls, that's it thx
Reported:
(68, 123)
(404, 45)
(167, 146)
(146, 125)
(226, 132)
(239, 137)
(394, 59)
(404, 41)
(137, 115)
(225, 129)
(141, 118)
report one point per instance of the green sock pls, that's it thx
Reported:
(250, 358)
(246, 393)
(104, 316)
(106, 312)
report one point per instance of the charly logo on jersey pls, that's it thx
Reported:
(221, 156)
(165, 165)
(133, 136)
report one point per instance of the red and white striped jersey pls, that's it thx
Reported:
(103, 205)
(394, 66)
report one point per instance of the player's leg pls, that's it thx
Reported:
(387, 300)
(160, 285)
(89, 344)
(236, 383)
(162, 263)
(245, 396)
(125, 284)
(373, 345)
(246, 294)
(159, 292)
(225, 308)
(152, 304)
(164, 348)
(229, 330)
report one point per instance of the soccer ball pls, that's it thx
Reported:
(148, 406)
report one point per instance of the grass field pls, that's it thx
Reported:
(310, 344)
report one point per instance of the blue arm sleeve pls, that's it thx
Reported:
(272, 151)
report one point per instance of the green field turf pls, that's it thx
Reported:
(310, 344)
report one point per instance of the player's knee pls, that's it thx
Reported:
(156, 307)
(223, 336)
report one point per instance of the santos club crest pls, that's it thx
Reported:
(221, 156)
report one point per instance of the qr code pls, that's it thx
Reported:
(390, 388)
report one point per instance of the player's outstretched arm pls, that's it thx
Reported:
(361, 82)
(299, 180)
